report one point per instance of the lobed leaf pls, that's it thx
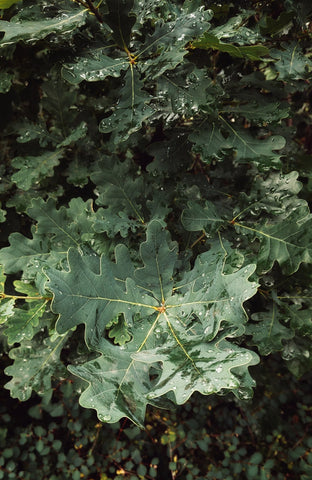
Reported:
(211, 41)
(165, 322)
(32, 31)
(32, 170)
(35, 362)
(268, 332)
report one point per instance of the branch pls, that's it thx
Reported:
(89, 5)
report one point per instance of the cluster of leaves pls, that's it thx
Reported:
(156, 186)
(216, 439)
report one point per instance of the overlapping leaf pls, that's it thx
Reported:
(93, 67)
(31, 170)
(211, 41)
(174, 323)
(119, 192)
(25, 320)
(283, 233)
(55, 232)
(32, 31)
(131, 111)
(120, 20)
(291, 62)
(169, 40)
(210, 142)
(268, 332)
(196, 217)
(6, 304)
(34, 363)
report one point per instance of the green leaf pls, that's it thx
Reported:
(169, 40)
(178, 321)
(298, 355)
(78, 133)
(274, 26)
(185, 91)
(32, 170)
(235, 30)
(210, 41)
(28, 132)
(117, 330)
(6, 305)
(208, 368)
(284, 233)
(34, 363)
(56, 101)
(120, 20)
(5, 81)
(2, 214)
(210, 142)
(4, 4)
(93, 67)
(118, 386)
(196, 218)
(64, 226)
(32, 31)
(119, 192)
(24, 322)
(23, 252)
(131, 111)
(291, 62)
(268, 333)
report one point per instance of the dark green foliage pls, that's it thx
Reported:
(155, 222)
(215, 439)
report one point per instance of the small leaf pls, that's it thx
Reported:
(23, 324)
(252, 52)
(77, 134)
(2, 214)
(5, 80)
(291, 62)
(120, 20)
(131, 111)
(7, 3)
(34, 363)
(268, 333)
(117, 330)
(32, 170)
(93, 67)
(196, 218)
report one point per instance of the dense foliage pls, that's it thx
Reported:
(205, 439)
(155, 186)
